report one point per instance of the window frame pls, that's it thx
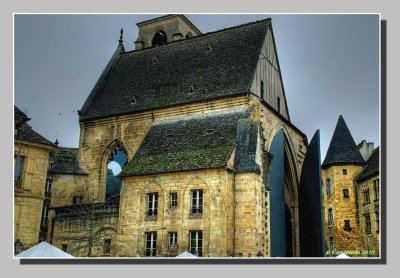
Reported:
(172, 240)
(368, 228)
(173, 202)
(152, 204)
(19, 160)
(197, 249)
(197, 202)
(344, 172)
(150, 251)
(332, 243)
(347, 225)
(330, 217)
(376, 189)
(346, 193)
(107, 247)
(261, 89)
(328, 183)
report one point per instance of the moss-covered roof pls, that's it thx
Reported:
(187, 144)
(201, 68)
(65, 161)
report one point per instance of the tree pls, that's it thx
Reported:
(89, 227)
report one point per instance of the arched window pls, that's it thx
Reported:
(160, 38)
(116, 163)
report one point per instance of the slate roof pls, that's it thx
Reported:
(65, 161)
(26, 133)
(19, 113)
(342, 148)
(246, 147)
(178, 72)
(187, 144)
(372, 168)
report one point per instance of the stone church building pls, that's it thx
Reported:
(210, 160)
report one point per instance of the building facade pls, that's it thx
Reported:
(209, 159)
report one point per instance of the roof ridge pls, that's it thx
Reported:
(201, 35)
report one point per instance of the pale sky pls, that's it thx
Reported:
(329, 64)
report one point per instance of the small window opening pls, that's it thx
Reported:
(154, 59)
(133, 100)
(191, 90)
(209, 48)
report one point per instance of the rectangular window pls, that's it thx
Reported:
(64, 247)
(18, 168)
(152, 199)
(377, 221)
(172, 240)
(151, 244)
(279, 104)
(330, 217)
(345, 193)
(367, 223)
(331, 243)
(328, 187)
(196, 243)
(45, 213)
(173, 200)
(347, 226)
(51, 166)
(262, 89)
(106, 247)
(77, 200)
(344, 172)
(197, 201)
(366, 195)
(376, 189)
(47, 190)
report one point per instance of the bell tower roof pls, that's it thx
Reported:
(164, 29)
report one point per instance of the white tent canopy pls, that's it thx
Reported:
(186, 254)
(43, 250)
(342, 256)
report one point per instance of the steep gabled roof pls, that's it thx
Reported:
(342, 148)
(19, 113)
(187, 144)
(201, 68)
(65, 161)
(26, 133)
(372, 168)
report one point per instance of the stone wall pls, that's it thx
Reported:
(370, 239)
(28, 200)
(215, 221)
(348, 241)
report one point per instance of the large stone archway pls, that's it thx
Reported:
(283, 181)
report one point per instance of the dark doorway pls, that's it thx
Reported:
(288, 232)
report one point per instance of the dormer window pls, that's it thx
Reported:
(154, 60)
(209, 48)
(191, 90)
(133, 100)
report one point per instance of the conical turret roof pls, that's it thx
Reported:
(342, 148)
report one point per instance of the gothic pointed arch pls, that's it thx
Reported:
(113, 160)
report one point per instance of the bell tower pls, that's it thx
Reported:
(163, 30)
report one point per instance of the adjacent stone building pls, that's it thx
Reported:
(350, 215)
(31, 161)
